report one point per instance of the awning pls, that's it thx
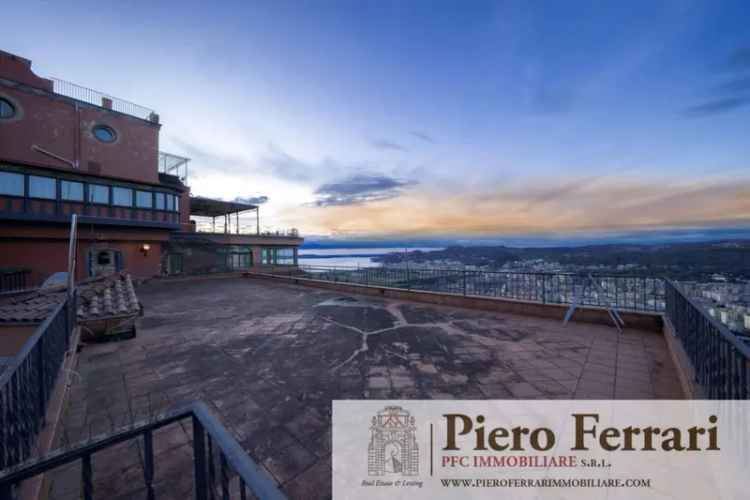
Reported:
(208, 207)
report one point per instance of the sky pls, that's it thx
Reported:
(380, 119)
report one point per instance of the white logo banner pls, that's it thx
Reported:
(541, 449)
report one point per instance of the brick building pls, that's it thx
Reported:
(65, 149)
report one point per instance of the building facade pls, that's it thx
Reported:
(66, 150)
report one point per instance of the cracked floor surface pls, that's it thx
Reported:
(268, 358)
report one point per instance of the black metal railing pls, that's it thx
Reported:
(720, 360)
(101, 99)
(27, 383)
(220, 467)
(12, 280)
(637, 293)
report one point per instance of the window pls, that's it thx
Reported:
(105, 133)
(104, 262)
(176, 203)
(122, 197)
(42, 187)
(285, 256)
(72, 191)
(237, 257)
(7, 109)
(266, 255)
(98, 194)
(277, 256)
(11, 183)
(104, 258)
(170, 202)
(161, 203)
(143, 199)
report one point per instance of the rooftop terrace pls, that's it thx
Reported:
(268, 358)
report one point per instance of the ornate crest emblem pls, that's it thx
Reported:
(393, 445)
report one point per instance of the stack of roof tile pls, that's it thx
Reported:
(98, 298)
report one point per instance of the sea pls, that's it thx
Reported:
(348, 257)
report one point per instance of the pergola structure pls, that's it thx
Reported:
(209, 207)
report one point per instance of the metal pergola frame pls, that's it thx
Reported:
(209, 207)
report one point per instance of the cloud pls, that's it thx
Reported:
(423, 136)
(740, 59)
(618, 203)
(252, 200)
(732, 94)
(287, 167)
(549, 99)
(359, 189)
(385, 145)
(738, 85)
(717, 106)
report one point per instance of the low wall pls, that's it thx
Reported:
(640, 320)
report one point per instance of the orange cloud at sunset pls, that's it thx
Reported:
(583, 205)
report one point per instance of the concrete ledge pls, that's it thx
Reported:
(641, 320)
(682, 364)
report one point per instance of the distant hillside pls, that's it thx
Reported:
(677, 260)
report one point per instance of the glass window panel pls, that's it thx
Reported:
(72, 191)
(11, 183)
(266, 256)
(7, 109)
(170, 202)
(98, 194)
(122, 197)
(42, 187)
(285, 256)
(143, 199)
(105, 133)
(161, 202)
(176, 203)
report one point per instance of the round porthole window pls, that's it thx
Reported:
(7, 109)
(105, 133)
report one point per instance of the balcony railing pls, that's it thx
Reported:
(635, 293)
(720, 360)
(12, 280)
(220, 467)
(27, 383)
(248, 230)
(174, 165)
(103, 100)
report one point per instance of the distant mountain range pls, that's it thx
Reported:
(677, 260)
(654, 237)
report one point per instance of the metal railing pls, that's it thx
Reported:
(220, 467)
(636, 293)
(12, 280)
(720, 361)
(172, 164)
(103, 100)
(28, 381)
(247, 230)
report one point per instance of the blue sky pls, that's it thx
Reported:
(438, 118)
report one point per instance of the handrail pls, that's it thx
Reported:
(624, 292)
(91, 96)
(28, 381)
(207, 431)
(720, 362)
(720, 327)
(468, 270)
(29, 345)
